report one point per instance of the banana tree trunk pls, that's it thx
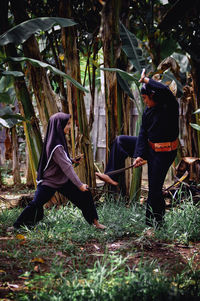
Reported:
(135, 189)
(15, 157)
(76, 100)
(1, 181)
(196, 96)
(55, 48)
(31, 128)
(111, 51)
(28, 173)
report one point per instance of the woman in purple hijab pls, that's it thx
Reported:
(56, 173)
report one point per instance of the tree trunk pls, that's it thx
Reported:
(116, 101)
(28, 174)
(1, 181)
(15, 159)
(31, 128)
(76, 100)
(195, 72)
(62, 90)
(111, 50)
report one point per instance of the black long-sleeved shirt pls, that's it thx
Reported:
(159, 123)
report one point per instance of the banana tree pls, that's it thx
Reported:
(31, 125)
(111, 51)
(80, 129)
(23, 34)
(19, 34)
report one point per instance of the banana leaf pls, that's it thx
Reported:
(131, 48)
(126, 81)
(8, 118)
(126, 76)
(195, 126)
(125, 86)
(12, 73)
(20, 33)
(6, 82)
(5, 97)
(7, 92)
(37, 63)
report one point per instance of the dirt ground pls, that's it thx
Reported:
(173, 258)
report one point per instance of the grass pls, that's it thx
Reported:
(64, 258)
(182, 223)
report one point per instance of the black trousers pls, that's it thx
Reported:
(34, 212)
(158, 166)
(122, 147)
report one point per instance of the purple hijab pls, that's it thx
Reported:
(55, 136)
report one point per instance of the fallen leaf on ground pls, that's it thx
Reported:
(36, 259)
(20, 236)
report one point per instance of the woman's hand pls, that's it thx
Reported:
(138, 162)
(84, 187)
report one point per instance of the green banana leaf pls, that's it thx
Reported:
(4, 97)
(12, 73)
(8, 118)
(37, 63)
(195, 126)
(126, 81)
(125, 75)
(8, 96)
(7, 91)
(20, 33)
(131, 48)
(125, 86)
(6, 82)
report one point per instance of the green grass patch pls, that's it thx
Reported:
(64, 258)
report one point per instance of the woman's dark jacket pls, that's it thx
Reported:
(159, 123)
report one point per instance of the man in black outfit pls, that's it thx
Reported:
(157, 143)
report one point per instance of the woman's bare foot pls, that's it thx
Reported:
(98, 225)
(106, 178)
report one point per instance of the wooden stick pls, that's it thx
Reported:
(123, 169)
(178, 181)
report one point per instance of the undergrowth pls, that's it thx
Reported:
(60, 241)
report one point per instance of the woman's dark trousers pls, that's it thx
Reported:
(34, 211)
(122, 148)
(158, 166)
